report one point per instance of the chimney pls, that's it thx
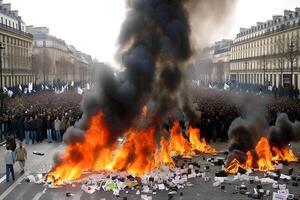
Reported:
(15, 13)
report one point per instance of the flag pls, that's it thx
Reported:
(79, 91)
(270, 88)
(5, 90)
(10, 93)
(30, 87)
(226, 87)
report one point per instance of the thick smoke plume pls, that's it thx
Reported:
(284, 131)
(154, 44)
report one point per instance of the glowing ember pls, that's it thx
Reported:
(197, 143)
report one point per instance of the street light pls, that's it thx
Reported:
(1, 86)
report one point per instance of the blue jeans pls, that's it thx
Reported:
(27, 136)
(33, 136)
(58, 136)
(49, 135)
(10, 169)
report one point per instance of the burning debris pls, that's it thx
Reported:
(269, 150)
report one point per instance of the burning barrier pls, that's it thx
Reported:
(138, 154)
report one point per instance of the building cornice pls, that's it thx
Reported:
(17, 34)
(271, 34)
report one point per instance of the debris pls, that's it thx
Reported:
(68, 194)
(88, 189)
(38, 153)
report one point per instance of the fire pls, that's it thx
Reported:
(264, 154)
(178, 144)
(138, 154)
(165, 154)
(198, 143)
(265, 158)
(284, 154)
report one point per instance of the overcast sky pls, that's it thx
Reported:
(92, 26)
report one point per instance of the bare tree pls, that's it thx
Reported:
(280, 55)
(41, 64)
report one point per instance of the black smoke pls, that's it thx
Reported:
(284, 131)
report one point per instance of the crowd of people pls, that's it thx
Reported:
(219, 108)
(39, 116)
(47, 115)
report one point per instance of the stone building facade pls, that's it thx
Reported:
(54, 60)
(16, 51)
(268, 53)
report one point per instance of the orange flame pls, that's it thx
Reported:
(265, 158)
(137, 155)
(178, 144)
(264, 154)
(197, 143)
(284, 154)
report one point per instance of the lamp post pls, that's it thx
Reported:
(1, 85)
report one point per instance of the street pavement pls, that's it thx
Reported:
(22, 190)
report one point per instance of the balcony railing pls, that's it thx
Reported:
(4, 26)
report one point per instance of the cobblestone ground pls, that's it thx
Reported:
(21, 190)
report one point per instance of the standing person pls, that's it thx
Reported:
(13, 126)
(32, 129)
(62, 125)
(39, 128)
(10, 141)
(21, 156)
(49, 129)
(26, 130)
(9, 160)
(57, 126)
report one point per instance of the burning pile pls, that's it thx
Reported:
(138, 154)
(268, 151)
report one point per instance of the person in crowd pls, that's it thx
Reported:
(49, 129)
(57, 127)
(62, 125)
(11, 142)
(9, 160)
(21, 156)
(33, 128)
(39, 128)
(14, 126)
(26, 130)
